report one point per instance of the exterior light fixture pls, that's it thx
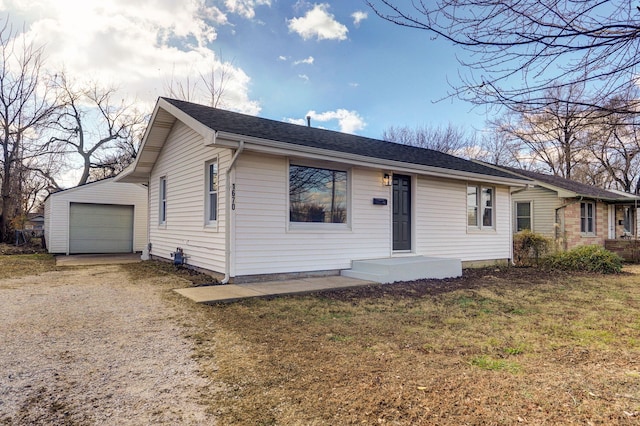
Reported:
(386, 179)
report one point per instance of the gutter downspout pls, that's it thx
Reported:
(227, 215)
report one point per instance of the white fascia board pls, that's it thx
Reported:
(203, 130)
(131, 174)
(266, 146)
(82, 187)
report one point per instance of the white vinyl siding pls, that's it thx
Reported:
(181, 161)
(441, 222)
(265, 244)
(105, 192)
(544, 203)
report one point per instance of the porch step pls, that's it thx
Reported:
(391, 269)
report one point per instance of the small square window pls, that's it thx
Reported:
(523, 216)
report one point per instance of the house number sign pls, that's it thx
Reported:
(233, 196)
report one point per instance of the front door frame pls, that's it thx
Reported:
(402, 244)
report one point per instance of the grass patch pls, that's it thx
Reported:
(493, 347)
(488, 363)
(20, 265)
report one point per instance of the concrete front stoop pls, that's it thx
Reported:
(392, 269)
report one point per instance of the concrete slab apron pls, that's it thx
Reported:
(229, 292)
(97, 259)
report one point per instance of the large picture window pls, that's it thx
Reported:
(587, 218)
(211, 195)
(480, 203)
(317, 195)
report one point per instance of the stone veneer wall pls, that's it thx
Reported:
(574, 238)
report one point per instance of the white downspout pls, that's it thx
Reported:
(227, 215)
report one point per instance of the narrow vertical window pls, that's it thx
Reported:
(487, 207)
(212, 192)
(472, 205)
(587, 218)
(162, 195)
(628, 220)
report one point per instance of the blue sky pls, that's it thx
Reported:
(333, 60)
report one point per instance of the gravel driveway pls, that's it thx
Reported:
(86, 346)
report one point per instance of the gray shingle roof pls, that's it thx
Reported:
(580, 189)
(247, 125)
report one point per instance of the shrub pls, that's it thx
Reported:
(529, 248)
(591, 258)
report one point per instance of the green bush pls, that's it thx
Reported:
(529, 248)
(591, 258)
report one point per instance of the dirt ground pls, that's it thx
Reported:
(89, 346)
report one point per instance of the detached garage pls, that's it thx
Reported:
(99, 217)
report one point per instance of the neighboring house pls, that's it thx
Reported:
(34, 222)
(98, 217)
(242, 195)
(571, 213)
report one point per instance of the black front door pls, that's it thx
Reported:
(401, 212)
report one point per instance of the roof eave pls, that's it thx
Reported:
(231, 140)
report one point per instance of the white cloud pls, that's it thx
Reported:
(283, 58)
(319, 23)
(133, 45)
(245, 8)
(354, 84)
(348, 121)
(304, 77)
(308, 61)
(358, 17)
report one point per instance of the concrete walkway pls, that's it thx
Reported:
(231, 292)
(97, 259)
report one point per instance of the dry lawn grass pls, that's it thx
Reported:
(16, 266)
(515, 346)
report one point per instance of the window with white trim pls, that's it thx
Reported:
(523, 216)
(162, 196)
(211, 193)
(317, 194)
(480, 207)
(587, 218)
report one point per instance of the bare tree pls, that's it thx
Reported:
(25, 107)
(449, 139)
(519, 49)
(615, 144)
(552, 139)
(209, 88)
(496, 148)
(95, 128)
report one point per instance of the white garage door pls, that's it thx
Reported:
(100, 228)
